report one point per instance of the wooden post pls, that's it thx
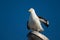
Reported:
(36, 36)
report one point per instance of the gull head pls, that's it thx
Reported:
(31, 10)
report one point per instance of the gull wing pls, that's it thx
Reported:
(43, 20)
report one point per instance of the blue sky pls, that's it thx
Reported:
(14, 15)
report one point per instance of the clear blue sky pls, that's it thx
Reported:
(14, 15)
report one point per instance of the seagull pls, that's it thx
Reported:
(34, 22)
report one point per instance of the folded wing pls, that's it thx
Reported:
(43, 20)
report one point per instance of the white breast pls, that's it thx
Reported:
(35, 24)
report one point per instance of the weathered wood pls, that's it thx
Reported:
(36, 36)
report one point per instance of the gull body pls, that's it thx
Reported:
(34, 22)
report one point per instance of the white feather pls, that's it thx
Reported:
(34, 21)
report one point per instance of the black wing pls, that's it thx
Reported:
(43, 20)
